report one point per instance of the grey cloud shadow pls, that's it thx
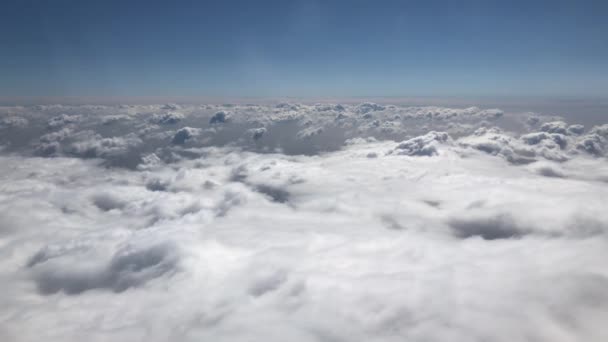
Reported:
(127, 269)
(276, 194)
(492, 227)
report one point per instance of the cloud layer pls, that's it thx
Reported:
(302, 223)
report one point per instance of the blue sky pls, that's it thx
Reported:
(304, 48)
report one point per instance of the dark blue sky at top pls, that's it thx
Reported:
(303, 48)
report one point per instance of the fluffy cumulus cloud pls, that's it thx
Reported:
(301, 222)
(424, 145)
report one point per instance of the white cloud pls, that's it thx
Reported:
(425, 145)
(257, 133)
(168, 118)
(184, 134)
(13, 122)
(91, 145)
(444, 228)
(219, 117)
(62, 120)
